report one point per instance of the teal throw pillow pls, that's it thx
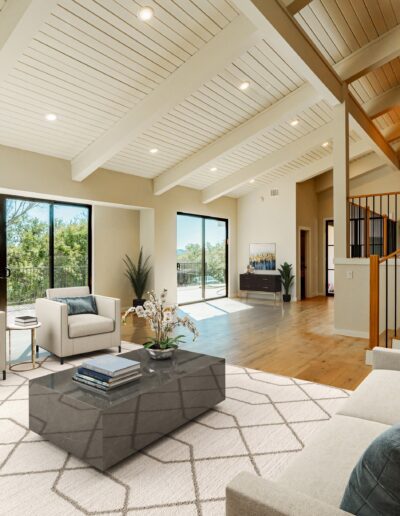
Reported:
(79, 305)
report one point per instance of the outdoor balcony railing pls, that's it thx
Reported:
(26, 284)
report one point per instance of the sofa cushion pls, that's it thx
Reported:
(83, 325)
(376, 398)
(323, 468)
(373, 487)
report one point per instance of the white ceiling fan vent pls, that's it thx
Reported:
(274, 192)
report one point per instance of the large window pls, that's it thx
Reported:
(202, 258)
(44, 244)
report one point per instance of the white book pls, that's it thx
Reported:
(111, 365)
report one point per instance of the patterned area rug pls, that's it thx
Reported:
(264, 422)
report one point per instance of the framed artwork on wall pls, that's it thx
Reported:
(262, 257)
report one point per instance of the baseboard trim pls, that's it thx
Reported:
(352, 333)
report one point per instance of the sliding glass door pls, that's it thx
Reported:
(202, 258)
(43, 244)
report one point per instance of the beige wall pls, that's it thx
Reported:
(307, 218)
(36, 174)
(116, 233)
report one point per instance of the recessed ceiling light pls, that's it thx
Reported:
(51, 117)
(325, 144)
(244, 85)
(145, 13)
(293, 123)
(153, 151)
(252, 181)
(213, 169)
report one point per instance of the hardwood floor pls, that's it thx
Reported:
(293, 339)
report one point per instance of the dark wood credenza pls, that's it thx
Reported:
(261, 283)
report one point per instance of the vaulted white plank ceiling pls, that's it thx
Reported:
(166, 98)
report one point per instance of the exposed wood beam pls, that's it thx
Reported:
(274, 115)
(392, 132)
(360, 121)
(294, 6)
(283, 33)
(275, 159)
(224, 48)
(20, 20)
(280, 29)
(383, 103)
(373, 55)
(320, 166)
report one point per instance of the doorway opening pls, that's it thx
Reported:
(329, 258)
(304, 243)
(201, 258)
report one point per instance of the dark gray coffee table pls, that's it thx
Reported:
(104, 428)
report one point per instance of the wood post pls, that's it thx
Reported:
(367, 231)
(374, 301)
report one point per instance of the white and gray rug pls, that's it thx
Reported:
(264, 422)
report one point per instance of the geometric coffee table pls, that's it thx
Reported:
(104, 428)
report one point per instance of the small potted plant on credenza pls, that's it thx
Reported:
(287, 278)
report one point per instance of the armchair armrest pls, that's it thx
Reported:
(386, 358)
(54, 330)
(108, 307)
(255, 496)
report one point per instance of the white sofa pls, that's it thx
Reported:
(3, 344)
(314, 482)
(67, 335)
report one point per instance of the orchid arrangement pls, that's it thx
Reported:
(163, 320)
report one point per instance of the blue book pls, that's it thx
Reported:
(111, 365)
(94, 374)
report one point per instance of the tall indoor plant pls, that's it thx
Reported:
(138, 274)
(287, 278)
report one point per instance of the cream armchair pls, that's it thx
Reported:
(3, 343)
(67, 335)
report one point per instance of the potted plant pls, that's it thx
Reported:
(287, 279)
(163, 321)
(138, 275)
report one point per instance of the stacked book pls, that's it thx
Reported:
(26, 320)
(107, 372)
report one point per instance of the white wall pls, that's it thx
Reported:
(266, 219)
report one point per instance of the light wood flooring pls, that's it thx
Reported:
(293, 339)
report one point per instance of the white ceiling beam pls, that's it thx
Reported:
(20, 20)
(320, 166)
(383, 103)
(280, 29)
(278, 158)
(284, 34)
(281, 111)
(373, 55)
(213, 57)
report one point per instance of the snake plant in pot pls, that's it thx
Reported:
(138, 275)
(287, 278)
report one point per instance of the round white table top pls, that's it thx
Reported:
(13, 326)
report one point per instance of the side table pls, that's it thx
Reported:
(15, 327)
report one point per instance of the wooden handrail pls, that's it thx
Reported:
(352, 197)
(389, 256)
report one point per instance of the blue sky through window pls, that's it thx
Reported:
(189, 231)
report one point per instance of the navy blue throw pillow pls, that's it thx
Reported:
(79, 305)
(374, 485)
